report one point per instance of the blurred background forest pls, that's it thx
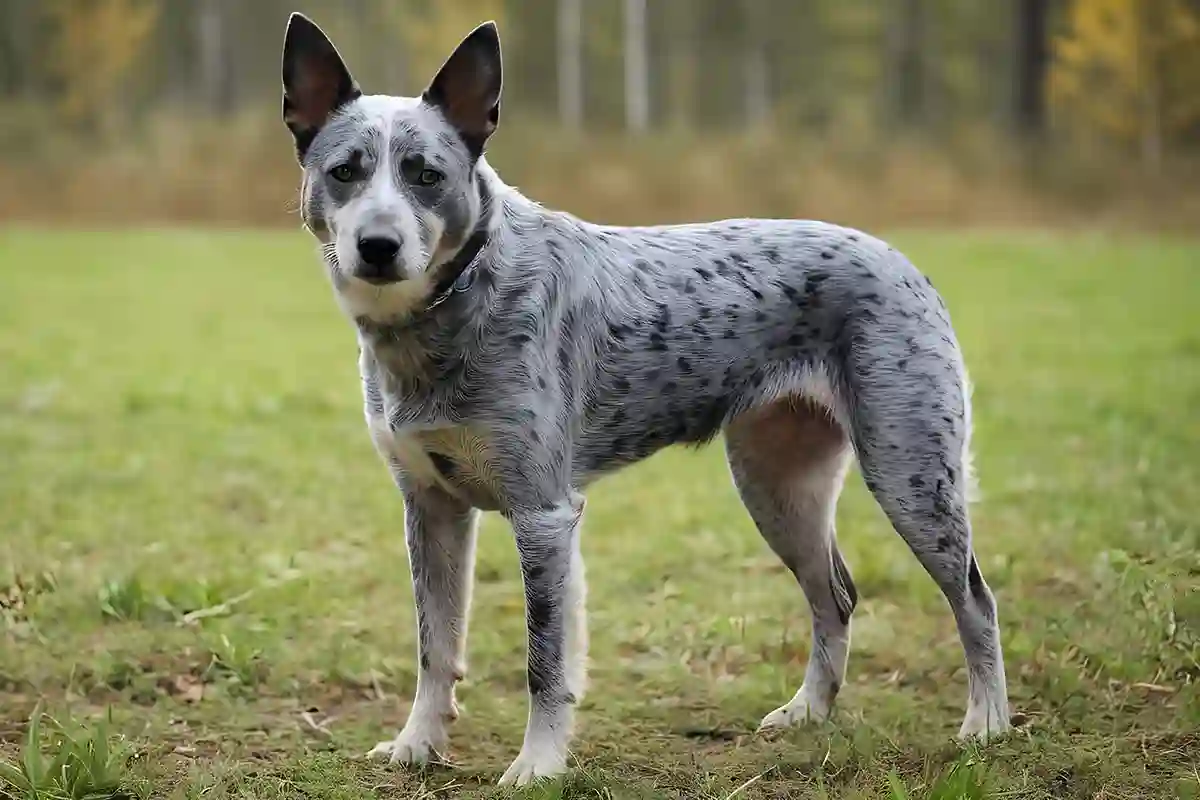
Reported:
(867, 112)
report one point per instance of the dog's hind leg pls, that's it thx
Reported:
(788, 462)
(910, 419)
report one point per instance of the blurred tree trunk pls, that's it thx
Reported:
(680, 32)
(1031, 62)
(12, 60)
(756, 90)
(637, 73)
(177, 51)
(906, 67)
(570, 63)
(1149, 33)
(215, 55)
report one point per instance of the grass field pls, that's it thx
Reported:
(197, 540)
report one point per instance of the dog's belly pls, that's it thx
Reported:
(456, 459)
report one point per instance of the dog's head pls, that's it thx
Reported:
(390, 184)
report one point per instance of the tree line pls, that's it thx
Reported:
(1122, 72)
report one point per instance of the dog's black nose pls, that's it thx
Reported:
(378, 251)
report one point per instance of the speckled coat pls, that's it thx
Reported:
(511, 355)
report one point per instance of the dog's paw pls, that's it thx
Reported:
(411, 747)
(984, 727)
(801, 710)
(534, 764)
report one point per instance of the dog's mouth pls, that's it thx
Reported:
(380, 280)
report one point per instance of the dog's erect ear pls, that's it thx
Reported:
(467, 87)
(315, 80)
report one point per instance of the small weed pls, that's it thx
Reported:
(235, 660)
(83, 764)
(965, 779)
(125, 599)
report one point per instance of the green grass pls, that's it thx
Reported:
(197, 539)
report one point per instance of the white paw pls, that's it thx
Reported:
(982, 726)
(532, 764)
(411, 747)
(800, 711)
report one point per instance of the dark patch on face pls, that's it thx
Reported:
(642, 264)
(424, 662)
(685, 366)
(657, 342)
(760, 316)
(704, 274)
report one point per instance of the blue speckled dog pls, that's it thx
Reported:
(511, 355)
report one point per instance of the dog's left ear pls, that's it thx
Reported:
(467, 87)
(316, 82)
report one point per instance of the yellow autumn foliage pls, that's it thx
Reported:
(1129, 69)
(95, 46)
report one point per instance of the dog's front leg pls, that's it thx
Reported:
(552, 568)
(440, 533)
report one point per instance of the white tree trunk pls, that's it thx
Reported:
(637, 70)
(214, 61)
(570, 63)
(756, 86)
(757, 90)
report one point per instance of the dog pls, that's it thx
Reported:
(510, 355)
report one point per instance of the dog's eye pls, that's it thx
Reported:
(430, 177)
(343, 173)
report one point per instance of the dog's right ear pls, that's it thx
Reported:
(316, 82)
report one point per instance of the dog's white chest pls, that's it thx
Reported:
(456, 459)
